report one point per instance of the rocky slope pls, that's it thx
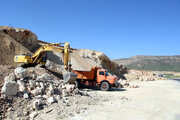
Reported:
(15, 41)
(155, 63)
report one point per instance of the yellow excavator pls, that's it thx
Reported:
(37, 58)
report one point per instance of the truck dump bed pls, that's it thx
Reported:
(87, 75)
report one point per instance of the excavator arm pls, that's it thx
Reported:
(36, 58)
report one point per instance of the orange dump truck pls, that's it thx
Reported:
(96, 77)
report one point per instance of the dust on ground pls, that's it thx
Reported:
(157, 100)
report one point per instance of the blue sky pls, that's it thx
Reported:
(119, 28)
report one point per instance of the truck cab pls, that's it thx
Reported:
(104, 80)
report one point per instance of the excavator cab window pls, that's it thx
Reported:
(43, 59)
(101, 72)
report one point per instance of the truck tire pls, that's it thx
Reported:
(104, 86)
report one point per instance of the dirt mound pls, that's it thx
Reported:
(9, 48)
(15, 41)
(85, 59)
(23, 36)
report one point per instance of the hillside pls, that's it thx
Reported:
(155, 63)
(15, 41)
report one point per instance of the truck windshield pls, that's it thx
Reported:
(101, 73)
(107, 74)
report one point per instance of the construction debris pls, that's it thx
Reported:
(43, 88)
(10, 88)
(142, 75)
(27, 93)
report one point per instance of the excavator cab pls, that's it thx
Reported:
(44, 59)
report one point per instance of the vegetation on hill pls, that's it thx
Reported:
(154, 63)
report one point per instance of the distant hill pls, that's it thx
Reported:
(155, 63)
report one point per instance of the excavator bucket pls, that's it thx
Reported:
(69, 77)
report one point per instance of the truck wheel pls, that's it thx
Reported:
(104, 86)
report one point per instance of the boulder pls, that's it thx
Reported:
(10, 88)
(20, 72)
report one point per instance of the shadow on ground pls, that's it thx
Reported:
(88, 89)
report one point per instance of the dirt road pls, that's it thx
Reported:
(157, 100)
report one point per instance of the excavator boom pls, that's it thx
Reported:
(37, 57)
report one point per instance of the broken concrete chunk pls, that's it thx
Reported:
(10, 77)
(10, 88)
(45, 97)
(37, 84)
(37, 103)
(63, 87)
(25, 96)
(64, 93)
(51, 88)
(20, 72)
(33, 75)
(51, 100)
(37, 91)
(42, 85)
(57, 97)
(33, 115)
(22, 86)
(45, 76)
(70, 88)
(32, 84)
(76, 91)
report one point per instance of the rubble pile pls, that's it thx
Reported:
(5, 71)
(81, 57)
(5, 104)
(132, 76)
(127, 84)
(37, 87)
(142, 75)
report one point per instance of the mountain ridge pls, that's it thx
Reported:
(154, 63)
